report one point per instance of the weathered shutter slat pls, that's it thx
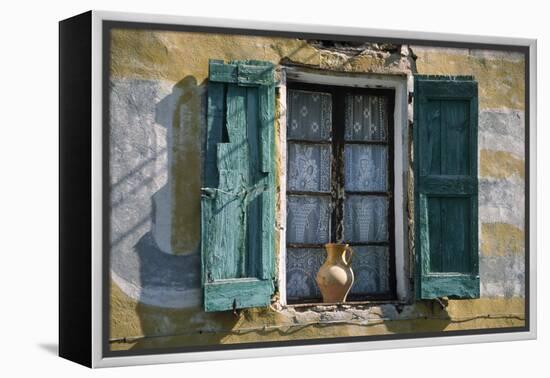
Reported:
(222, 73)
(238, 293)
(237, 203)
(446, 185)
(442, 185)
(255, 75)
(266, 97)
(267, 115)
(214, 124)
(248, 73)
(214, 130)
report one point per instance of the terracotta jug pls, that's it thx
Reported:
(335, 276)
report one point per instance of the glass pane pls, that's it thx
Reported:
(309, 115)
(366, 167)
(366, 117)
(302, 266)
(309, 167)
(371, 268)
(365, 218)
(308, 219)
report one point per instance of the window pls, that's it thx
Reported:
(345, 181)
(339, 187)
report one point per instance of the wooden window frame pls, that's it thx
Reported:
(338, 193)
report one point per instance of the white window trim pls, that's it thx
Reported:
(399, 84)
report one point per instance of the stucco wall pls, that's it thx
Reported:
(157, 117)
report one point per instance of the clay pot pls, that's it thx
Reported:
(335, 276)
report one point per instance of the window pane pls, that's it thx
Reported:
(366, 167)
(370, 266)
(309, 167)
(365, 218)
(302, 266)
(308, 219)
(309, 115)
(366, 118)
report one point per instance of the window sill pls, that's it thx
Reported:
(321, 306)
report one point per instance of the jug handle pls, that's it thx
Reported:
(347, 259)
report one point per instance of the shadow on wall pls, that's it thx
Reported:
(157, 200)
(171, 294)
(176, 206)
(425, 316)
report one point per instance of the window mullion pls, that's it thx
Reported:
(338, 130)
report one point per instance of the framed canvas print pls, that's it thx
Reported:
(232, 189)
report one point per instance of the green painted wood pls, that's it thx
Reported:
(431, 160)
(435, 221)
(446, 185)
(449, 235)
(456, 218)
(222, 73)
(451, 285)
(227, 227)
(243, 293)
(267, 122)
(454, 89)
(214, 130)
(450, 184)
(237, 248)
(456, 137)
(255, 75)
(254, 215)
(243, 73)
(266, 118)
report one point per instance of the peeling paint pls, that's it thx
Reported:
(502, 130)
(164, 55)
(502, 201)
(500, 164)
(501, 239)
(157, 110)
(501, 79)
(138, 326)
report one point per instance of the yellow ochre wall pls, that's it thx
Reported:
(157, 117)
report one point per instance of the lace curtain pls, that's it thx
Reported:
(309, 207)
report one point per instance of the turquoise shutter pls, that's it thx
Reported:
(237, 205)
(446, 186)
